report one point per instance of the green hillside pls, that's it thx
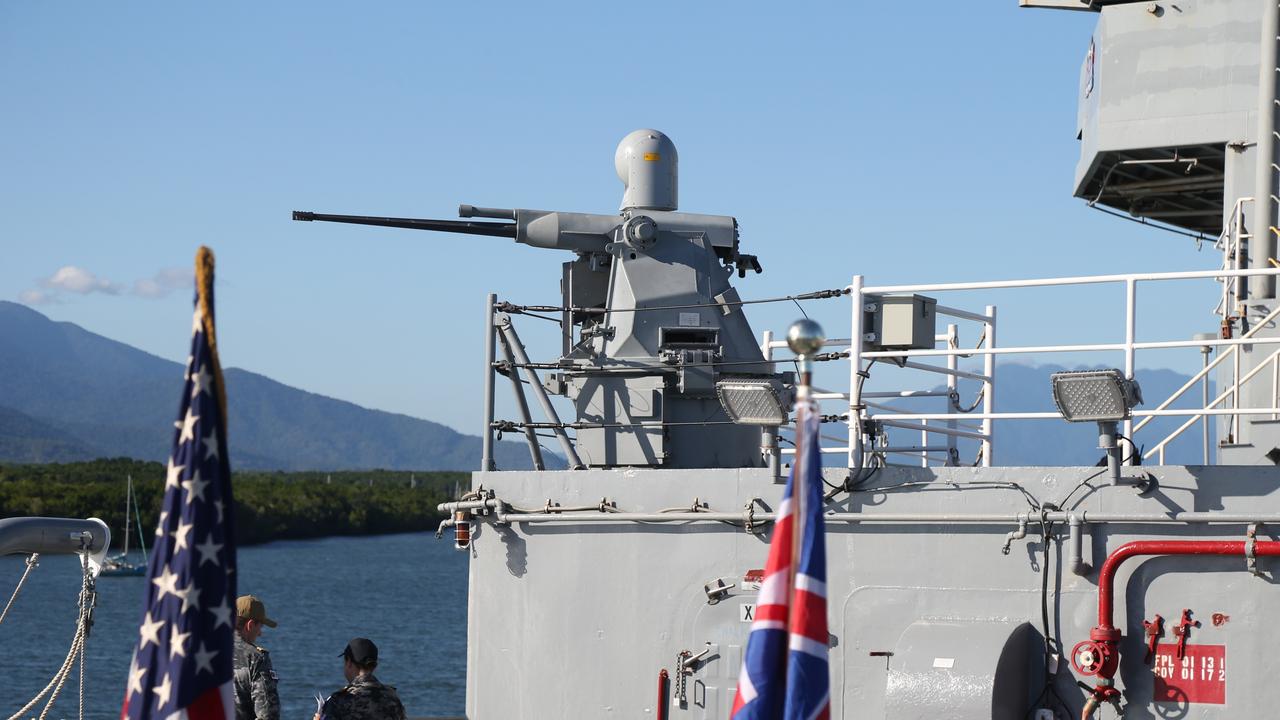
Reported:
(269, 505)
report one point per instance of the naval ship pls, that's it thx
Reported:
(624, 585)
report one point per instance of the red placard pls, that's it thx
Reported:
(1199, 676)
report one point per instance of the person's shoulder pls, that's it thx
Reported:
(338, 702)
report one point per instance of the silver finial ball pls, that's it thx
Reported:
(805, 337)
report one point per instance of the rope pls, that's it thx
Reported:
(83, 621)
(32, 562)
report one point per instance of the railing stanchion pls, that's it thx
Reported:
(486, 445)
(989, 389)
(953, 342)
(1130, 333)
(1235, 397)
(855, 367)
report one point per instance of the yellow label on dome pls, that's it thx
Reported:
(652, 157)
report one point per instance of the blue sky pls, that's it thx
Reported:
(907, 141)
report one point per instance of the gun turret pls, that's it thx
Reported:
(492, 229)
(650, 322)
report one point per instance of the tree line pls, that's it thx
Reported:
(268, 505)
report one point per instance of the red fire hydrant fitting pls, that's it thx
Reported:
(1099, 656)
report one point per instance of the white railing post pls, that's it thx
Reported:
(1130, 332)
(1275, 385)
(1235, 397)
(989, 389)
(855, 367)
(953, 342)
(1204, 405)
(924, 443)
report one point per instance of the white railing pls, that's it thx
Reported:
(1234, 244)
(939, 431)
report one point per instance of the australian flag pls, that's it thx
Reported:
(182, 662)
(784, 672)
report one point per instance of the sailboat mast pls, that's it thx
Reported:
(137, 518)
(128, 497)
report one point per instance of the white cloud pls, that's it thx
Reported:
(38, 297)
(164, 282)
(78, 280)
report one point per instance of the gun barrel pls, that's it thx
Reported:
(491, 229)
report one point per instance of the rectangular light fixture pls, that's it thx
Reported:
(753, 402)
(1094, 395)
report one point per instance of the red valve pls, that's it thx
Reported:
(1088, 657)
(1183, 632)
(1154, 629)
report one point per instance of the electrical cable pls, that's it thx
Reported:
(1046, 529)
(1198, 237)
(1079, 485)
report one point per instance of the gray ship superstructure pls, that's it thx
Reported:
(957, 588)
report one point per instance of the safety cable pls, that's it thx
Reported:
(815, 295)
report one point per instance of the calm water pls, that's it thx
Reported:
(408, 593)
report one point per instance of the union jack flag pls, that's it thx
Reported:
(182, 662)
(784, 672)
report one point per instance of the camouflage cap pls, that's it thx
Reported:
(251, 608)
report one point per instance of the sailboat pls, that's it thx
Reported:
(119, 564)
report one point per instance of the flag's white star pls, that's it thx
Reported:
(150, 630)
(186, 372)
(211, 444)
(178, 643)
(160, 531)
(204, 659)
(209, 551)
(219, 505)
(181, 536)
(189, 596)
(162, 692)
(188, 427)
(196, 324)
(135, 676)
(221, 615)
(166, 584)
(194, 487)
(173, 475)
(201, 381)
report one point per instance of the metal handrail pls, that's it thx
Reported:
(1272, 358)
(1205, 371)
(928, 422)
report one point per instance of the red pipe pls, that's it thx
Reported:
(1106, 576)
(1100, 654)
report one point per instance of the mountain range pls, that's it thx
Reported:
(68, 394)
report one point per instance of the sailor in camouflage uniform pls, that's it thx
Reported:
(254, 679)
(364, 698)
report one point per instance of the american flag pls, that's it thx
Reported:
(784, 672)
(181, 664)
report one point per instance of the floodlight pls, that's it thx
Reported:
(753, 401)
(1095, 395)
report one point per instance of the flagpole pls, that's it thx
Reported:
(805, 338)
